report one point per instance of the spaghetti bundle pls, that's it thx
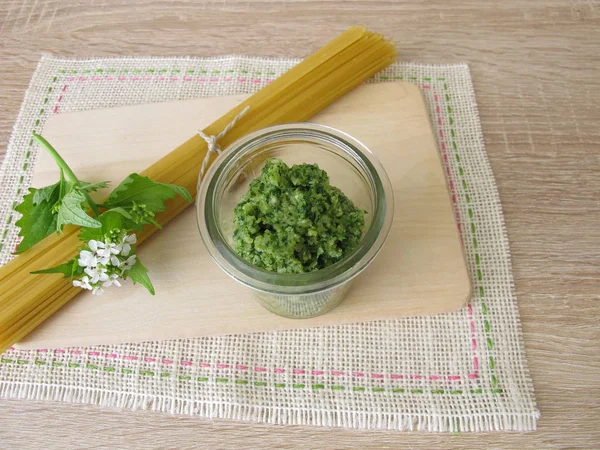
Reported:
(26, 299)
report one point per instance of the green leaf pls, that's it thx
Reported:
(67, 269)
(71, 211)
(93, 187)
(139, 274)
(46, 194)
(38, 221)
(181, 191)
(110, 220)
(122, 212)
(144, 191)
(88, 234)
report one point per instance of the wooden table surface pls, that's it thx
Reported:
(535, 67)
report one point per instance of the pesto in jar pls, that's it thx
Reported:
(292, 220)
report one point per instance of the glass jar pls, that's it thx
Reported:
(351, 167)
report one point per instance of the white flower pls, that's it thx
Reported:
(113, 279)
(99, 254)
(126, 244)
(95, 245)
(87, 259)
(97, 274)
(104, 253)
(105, 256)
(98, 291)
(128, 264)
(114, 249)
(84, 283)
(108, 249)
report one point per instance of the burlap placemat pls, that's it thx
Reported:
(464, 371)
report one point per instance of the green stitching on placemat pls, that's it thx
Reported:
(484, 309)
(163, 70)
(26, 164)
(241, 381)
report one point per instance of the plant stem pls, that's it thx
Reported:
(64, 167)
(62, 164)
(92, 204)
(61, 183)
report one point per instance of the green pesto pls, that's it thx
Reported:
(292, 220)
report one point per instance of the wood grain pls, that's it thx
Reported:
(535, 69)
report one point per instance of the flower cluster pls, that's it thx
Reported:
(141, 213)
(105, 263)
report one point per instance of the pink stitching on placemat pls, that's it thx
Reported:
(55, 109)
(200, 80)
(458, 223)
(19, 239)
(264, 369)
(445, 157)
(473, 375)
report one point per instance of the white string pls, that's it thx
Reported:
(213, 144)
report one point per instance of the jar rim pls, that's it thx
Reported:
(302, 283)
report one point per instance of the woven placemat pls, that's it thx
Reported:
(464, 371)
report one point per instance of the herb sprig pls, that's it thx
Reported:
(107, 254)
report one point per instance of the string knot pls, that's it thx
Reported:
(213, 143)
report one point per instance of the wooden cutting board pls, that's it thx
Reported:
(421, 269)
